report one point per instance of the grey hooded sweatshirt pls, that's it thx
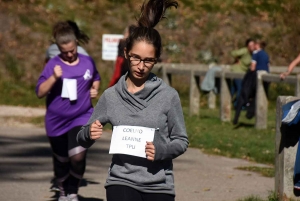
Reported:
(155, 106)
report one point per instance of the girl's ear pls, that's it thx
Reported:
(125, 53)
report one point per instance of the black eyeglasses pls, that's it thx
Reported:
(148, 62)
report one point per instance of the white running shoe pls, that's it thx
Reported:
(73, 197)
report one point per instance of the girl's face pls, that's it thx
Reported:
(68, 51)
(142, 59)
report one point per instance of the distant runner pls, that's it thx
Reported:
(77, 75)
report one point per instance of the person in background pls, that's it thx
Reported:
(81, 38)
(291, 67)
(65, 116)
(260, 61)
(53, 51)
(142, 99)
(242, 64)
(121, 67)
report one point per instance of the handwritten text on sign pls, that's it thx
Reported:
(130, 140)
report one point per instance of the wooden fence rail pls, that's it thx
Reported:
(196, 71)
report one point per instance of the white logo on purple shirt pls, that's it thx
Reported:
(87, 75)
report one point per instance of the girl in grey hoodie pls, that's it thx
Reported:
(142, 99)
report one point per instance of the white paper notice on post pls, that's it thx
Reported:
(130, 140)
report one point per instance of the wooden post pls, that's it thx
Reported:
(285, 155)
(297, 88)
(225, 112)
(211, 100)
(261, 103)
(167, 77)
(194, 94)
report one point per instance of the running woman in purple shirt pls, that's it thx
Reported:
(65, 116)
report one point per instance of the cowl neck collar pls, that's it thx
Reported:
(141, 99)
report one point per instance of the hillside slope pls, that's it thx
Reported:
(196, 27)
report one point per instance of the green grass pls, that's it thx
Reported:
(37, 121)
(264, 171)
(272, 197)
(252, 198)
(13, 93)
(208, 133)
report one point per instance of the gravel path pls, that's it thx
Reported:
(26, 169)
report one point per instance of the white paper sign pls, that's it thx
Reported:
(130, 140)
(110, 44)
(69, 89)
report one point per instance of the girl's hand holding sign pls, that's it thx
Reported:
(150, 151)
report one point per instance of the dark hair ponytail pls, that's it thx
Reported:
(151, 13)
(63, 33)
(69, 28)
(80, 35)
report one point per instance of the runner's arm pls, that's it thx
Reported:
(94, 89)
(100, 113)
(46, 86)
(96, 85)
(177, 134)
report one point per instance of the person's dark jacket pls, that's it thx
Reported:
(247, 97)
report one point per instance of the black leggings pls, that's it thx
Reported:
(69, 160)
(125, 193)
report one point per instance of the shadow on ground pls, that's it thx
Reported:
(81, 198)
(26, 153)
(243, 125)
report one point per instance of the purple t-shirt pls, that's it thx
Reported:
(62, 114)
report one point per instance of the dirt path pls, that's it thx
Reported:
(26, 169)
(9, 111)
